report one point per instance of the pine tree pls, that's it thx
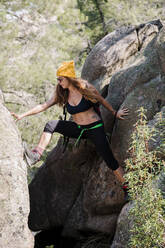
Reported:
(94, 10)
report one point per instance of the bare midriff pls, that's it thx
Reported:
(86, 117)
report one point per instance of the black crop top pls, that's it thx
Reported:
(83, 105)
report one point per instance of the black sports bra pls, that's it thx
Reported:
(81, 107)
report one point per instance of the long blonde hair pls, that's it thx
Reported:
(87, 90)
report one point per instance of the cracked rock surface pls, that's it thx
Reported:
(14, 196)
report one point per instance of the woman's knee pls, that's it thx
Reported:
(50, 126)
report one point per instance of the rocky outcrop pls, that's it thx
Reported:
(19, 98)
(124, 224)
(141, 84)
(77, 195)
(116, 50)
(75, 190)
(14, 198)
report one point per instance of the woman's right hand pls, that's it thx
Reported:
(18, 117)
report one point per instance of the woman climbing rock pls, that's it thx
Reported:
(79, 98)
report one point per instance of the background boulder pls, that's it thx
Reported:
(116, 50)
(14, 197)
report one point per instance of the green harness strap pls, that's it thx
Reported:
(84, 129)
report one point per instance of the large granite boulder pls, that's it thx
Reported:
(14, 197)
(75, 190)
(141, 84)
(71, 190)
(116, 50)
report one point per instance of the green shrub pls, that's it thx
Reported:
(143, 169)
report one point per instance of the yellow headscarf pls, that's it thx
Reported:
(66, 69)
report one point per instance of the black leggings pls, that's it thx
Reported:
(96, 135)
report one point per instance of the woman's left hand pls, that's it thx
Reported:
(122, 112)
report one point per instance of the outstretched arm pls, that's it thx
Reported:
(37, 109)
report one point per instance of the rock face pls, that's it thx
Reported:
(160, 132)
(141, 84)
(75, 190)
(14, 198)
(122, 234)
(115, 51)
(76, 195)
